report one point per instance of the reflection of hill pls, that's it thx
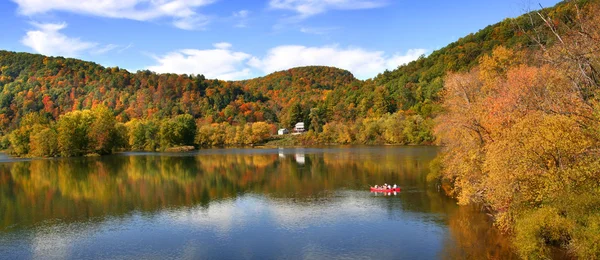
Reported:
(33, 191)
(207, 189)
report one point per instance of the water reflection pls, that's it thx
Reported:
(300, 158)
(254, 203)
(384, 193)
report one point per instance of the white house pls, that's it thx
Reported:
(299, 128)
(282, 131)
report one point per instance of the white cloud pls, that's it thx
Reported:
(48, 40)
(306, 8)
(224, 63)
(182, 12)
(220, 63)
(362, 63)
(192, 22)
(222, 45)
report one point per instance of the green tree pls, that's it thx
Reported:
(185, 130)
(43, 142)
(136, 135)
(294, 115)
(102, 134)
(73, 131)
(317, 118)
(19, 141)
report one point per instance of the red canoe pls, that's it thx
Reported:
(384, 190)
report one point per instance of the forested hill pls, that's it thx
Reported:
(420, 81)
(301, 84)
(56, 85)
(319, 96)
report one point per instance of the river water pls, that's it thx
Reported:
(293, 203)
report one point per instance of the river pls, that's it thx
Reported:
(293, 203)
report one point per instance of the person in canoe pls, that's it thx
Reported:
(385, 186)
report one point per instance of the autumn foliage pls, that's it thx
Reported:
(515, 106)
(521, 137)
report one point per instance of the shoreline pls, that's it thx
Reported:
(5, 157)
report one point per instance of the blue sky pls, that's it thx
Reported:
(239, 39)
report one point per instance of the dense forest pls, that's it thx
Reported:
(514, 106)
(396, 107)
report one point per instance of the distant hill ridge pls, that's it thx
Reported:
(36, 61)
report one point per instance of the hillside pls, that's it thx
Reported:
(56, 85)
(302, 84)
(419, 82)
(316, 95)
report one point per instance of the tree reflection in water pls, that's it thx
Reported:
(289, 183)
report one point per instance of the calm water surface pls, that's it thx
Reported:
(297, 203)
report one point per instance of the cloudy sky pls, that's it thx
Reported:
(240, 39)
